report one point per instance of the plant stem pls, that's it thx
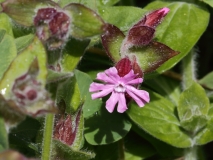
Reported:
(47, 137)
(188, 69)
(121, 155)
(191, 153)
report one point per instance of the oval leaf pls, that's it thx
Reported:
(193, 108)
(7, 51)
(85, 22)
(105, 127)
(158, 119)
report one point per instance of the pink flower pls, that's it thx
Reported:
(119, 86)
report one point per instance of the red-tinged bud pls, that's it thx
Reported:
(66, 129)
(44, 15)
(142, 33)
(63, 131)
(59, 25)
(52, 27)
(125, 65)
(154, 18)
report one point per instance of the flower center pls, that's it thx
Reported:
(120, 88)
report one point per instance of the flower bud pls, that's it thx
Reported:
(66, 128)
(52, 27)
(125, 65)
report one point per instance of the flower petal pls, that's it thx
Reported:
(135, 81)
(111, 102)
(105, 78)
(128, 77)
(98, 86)
(113, 73)
(121, 103)
(102, 93)
(141, 97)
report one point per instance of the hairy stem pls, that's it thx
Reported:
(47, 137)
(189, 70)
(191, 153)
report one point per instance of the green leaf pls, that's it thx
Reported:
(63, 151)
(23, 42)
(93, 4)
(209, 2)
(69, 92)
(193, 108)
(74, 50)
(137, 148)
(6, 24)
(181, 28)
(3, 136)
(163, 149)
(206, 135)
(207, 81)
(7, 51)
(158, 119)
(90, 106)
(166, 87)
(102, 152)
(23, 135)
(104, 127)
(85, 22)
(122, 17)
